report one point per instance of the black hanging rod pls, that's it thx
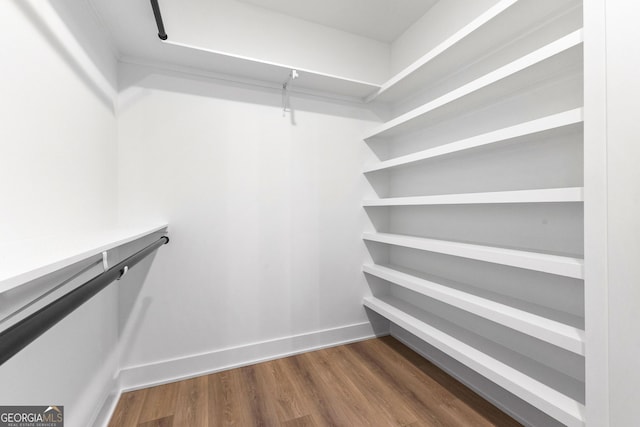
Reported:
(18, 336)
(156, 12)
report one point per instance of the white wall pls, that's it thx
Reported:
(612, 203)
(57, 176)
(623, 224)
(265, 219)
(57, 165)
(595, 215)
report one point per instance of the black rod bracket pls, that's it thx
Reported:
(156, 12)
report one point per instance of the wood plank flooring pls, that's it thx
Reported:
(377, 382)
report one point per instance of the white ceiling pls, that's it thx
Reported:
(382, 20)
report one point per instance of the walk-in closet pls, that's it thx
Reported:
(319, 213)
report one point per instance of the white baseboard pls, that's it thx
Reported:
(136, 377)
(103, 415)
(158, 373)
(512, 405)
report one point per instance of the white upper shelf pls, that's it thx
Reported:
(537, 66)
(548, 195)
(254, 71)
(25, 261)
(498, 26)
(546, 263)
(549, 123)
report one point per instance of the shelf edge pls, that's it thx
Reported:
(468, 29)
(548, 123)
(277, 66)
(536, 261)
(16, 279)
(538, 56)
(553, 332)
(551, 195)
(529, 389)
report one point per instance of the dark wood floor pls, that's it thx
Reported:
(378, 382)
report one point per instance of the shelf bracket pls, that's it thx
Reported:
(285, 91)
(105, 261)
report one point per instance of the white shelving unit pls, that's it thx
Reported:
(516, 53)
(556, 333)
(537, 66)
(550, 195)
(551, 123)
(498, 26)
(546, 263)
(451, 341)
(29, 260)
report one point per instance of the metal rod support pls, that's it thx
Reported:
(18, 336)
(156, 12)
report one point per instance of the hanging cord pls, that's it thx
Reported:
(285, 92)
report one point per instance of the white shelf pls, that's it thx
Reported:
(230, 67)
(524, 72)
(25, 261)
(556, 333)
(550, 195)
(498, 26)
(553, 264)
(134, 35)
(545, 124)
(555, 404)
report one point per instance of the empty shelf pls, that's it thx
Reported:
(550, 195)
(545, 124)
(557, 405)
(29, 260)
(556, 333)
(237, 67)
(498, 26)
(553, 264)
(548, 60)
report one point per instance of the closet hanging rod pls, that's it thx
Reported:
(18, 336)
(156, 12)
